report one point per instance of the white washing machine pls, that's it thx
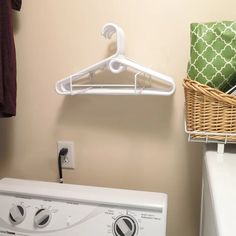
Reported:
(43, 208)
(218, 192)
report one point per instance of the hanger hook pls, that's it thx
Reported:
(108, 30)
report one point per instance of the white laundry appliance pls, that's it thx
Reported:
(47, 209)
(218, 216)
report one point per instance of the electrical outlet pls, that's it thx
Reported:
(68, 162)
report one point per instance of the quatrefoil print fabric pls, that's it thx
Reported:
(213, 54)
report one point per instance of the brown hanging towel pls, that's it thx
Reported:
(7, 59)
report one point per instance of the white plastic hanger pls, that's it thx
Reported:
(116, 63)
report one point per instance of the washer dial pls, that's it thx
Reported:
(125, 226)
(17, 214)
(42, 218)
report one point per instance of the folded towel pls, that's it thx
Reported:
(213, 54)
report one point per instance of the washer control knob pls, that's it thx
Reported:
(17, 214)
(125, 226)
(42, 218)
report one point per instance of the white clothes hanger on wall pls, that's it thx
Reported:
(142, 83)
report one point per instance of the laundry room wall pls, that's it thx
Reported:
(131, 142)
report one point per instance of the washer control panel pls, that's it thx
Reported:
(51, 209)
(21, 216)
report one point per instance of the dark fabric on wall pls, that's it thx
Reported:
(7, 59)
(16, 4)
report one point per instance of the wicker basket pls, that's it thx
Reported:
(210, 113)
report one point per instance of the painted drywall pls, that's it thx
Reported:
(120, 141)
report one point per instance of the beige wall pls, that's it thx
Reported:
(125, 142)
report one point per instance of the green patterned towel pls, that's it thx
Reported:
(213, 54)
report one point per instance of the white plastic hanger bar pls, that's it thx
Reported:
(116, 63)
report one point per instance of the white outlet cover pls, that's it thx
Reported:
(69, 162)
